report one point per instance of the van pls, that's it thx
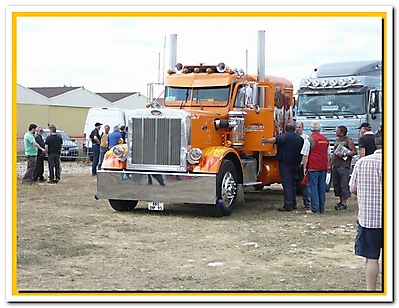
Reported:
(106, 116)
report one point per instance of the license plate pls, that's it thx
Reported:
(155, 206)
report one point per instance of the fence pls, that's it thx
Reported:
(68, 152)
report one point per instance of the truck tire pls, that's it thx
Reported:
(123, 205)
(226, 190)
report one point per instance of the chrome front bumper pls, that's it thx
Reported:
(165, 187)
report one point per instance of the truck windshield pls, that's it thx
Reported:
(331, 104)
(205, 97)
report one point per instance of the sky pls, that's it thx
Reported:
(124, 54)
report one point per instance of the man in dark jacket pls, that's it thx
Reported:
(289, 157)
(53, 149)
(39, 169)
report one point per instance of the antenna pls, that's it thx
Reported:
(314, 70)
(246, 62)
(164, 53)
(159, 65)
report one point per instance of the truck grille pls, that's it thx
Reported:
(156, 141)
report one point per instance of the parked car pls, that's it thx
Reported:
(69, 150)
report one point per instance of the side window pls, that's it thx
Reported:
(244, 96)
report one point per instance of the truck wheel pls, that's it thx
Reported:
(123, 205)
(226, 190)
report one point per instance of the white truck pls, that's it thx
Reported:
(342, 93)
(106, 116)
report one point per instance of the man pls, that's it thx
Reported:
(316, 151)
(366, 183)
(123, 132)
(340, 166)
(289, 147)
(95, 141)
(305, 188)
(113, 138)
(53, 149)
(39, 169)
(366, 141)
(103, 145)
(31, 147)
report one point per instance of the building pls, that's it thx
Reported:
(67, 106)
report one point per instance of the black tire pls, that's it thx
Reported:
(226, 190)
(123, 205)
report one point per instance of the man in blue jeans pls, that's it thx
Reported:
(95, 141)
(316, 152)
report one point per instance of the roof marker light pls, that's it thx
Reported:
(221, 67)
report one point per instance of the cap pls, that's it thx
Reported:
(315, 126)
(366, 125)
(98, 124)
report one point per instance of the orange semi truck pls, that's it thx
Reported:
(204, 144)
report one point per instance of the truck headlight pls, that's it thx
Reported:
(119, 151)
(194, 156)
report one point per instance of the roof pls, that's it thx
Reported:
(356, 68)
(50, 92)
(115, 96)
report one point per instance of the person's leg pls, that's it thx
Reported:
(36, 172)
(101, 157)
(286, 178)
(306, 195)
(368, 244)
(30, 168)
(57, 166)
(96, 154)
(313, 190)
(345, 174)
(322, 190)
(40, 162)
(372, 271)
(336, 178)
(50, 160)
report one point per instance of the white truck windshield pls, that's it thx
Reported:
(331, 104)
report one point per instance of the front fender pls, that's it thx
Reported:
(111, 161)
(212, 158)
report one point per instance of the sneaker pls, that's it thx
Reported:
(52, 181)
(340, 206)
(42, 180)
(283, 209)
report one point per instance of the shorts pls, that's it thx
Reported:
(368, 242)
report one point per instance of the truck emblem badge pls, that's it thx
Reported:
(156, 112)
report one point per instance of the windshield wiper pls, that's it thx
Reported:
(185, 101)
(309, 112)
(350, 112)
(199, 101)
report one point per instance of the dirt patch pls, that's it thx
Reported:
(68, 241)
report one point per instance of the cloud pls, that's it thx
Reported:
(125, 53)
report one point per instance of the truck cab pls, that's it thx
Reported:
(342, 93)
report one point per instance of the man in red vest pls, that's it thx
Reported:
(316, 152)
